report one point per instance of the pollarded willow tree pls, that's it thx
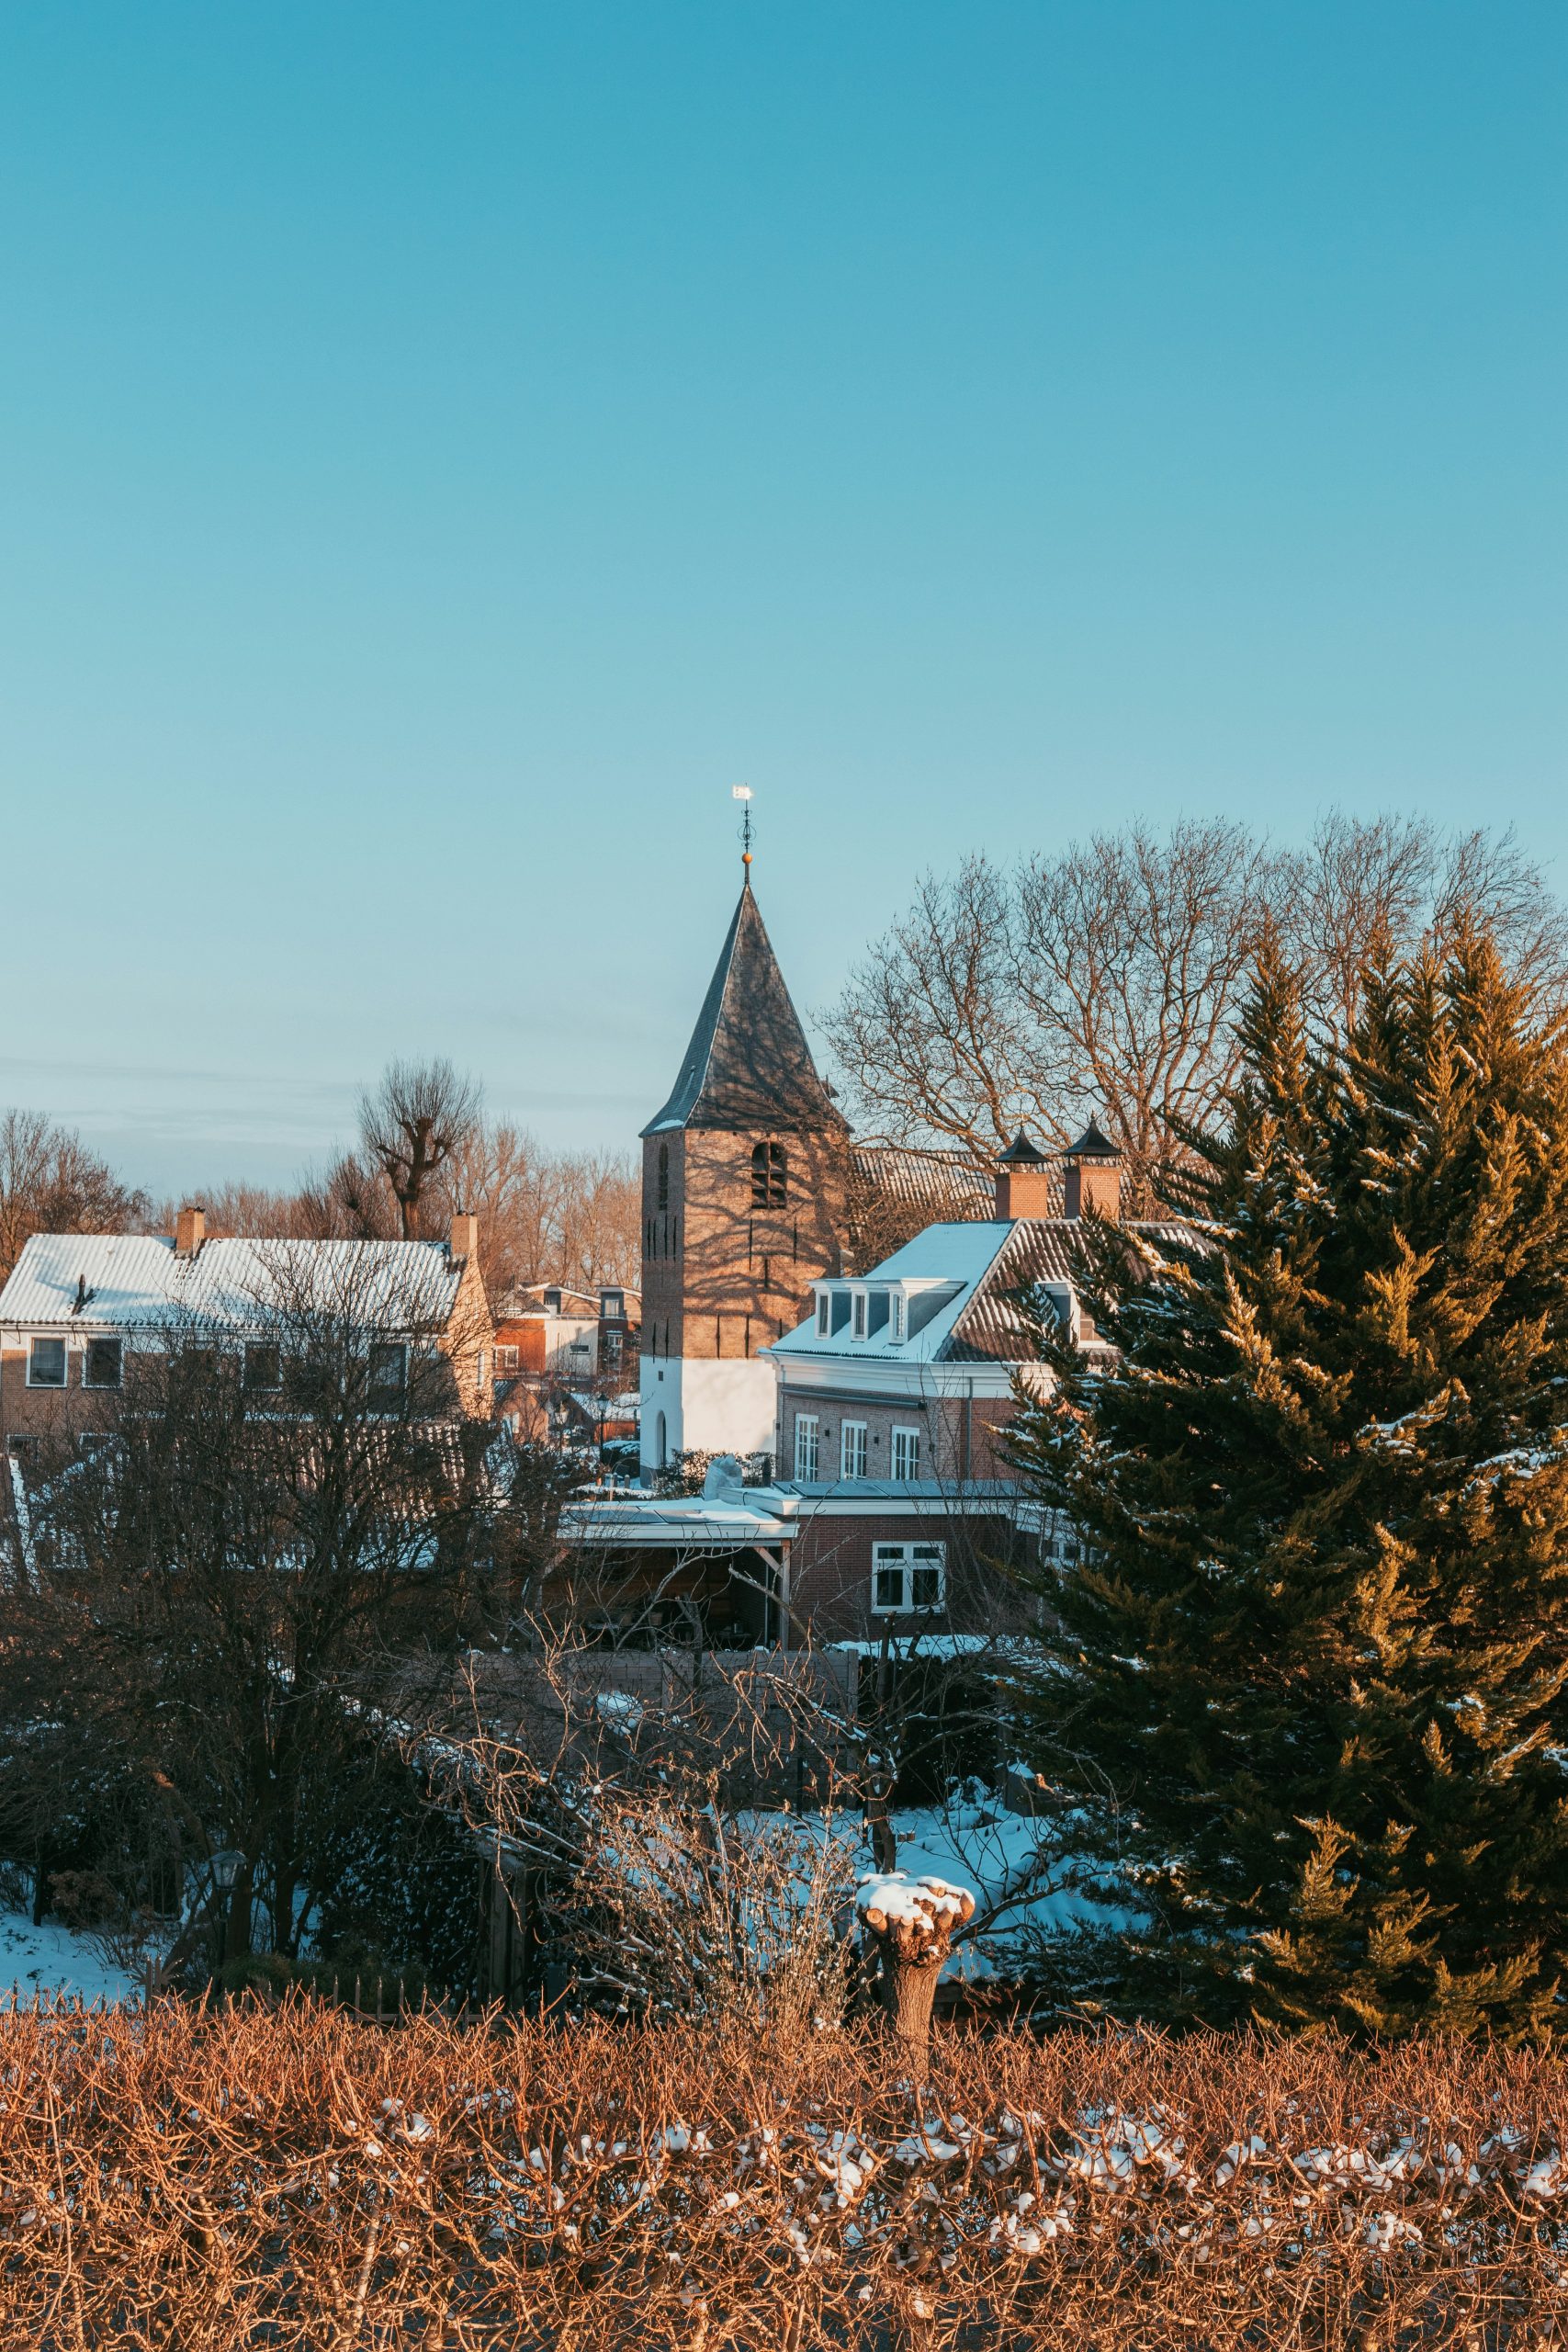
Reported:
(1309, 1694)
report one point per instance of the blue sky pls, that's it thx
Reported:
(442, 449)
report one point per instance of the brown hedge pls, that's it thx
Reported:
(289, 2178)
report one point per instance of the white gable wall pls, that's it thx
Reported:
(706, 1405)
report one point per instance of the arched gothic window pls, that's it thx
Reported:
(663, 1175)
(769, 1176)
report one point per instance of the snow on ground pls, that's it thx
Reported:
(51, 1958)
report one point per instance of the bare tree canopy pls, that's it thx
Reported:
(569, 1218)
(1103, 979)
(410, 1125)
(50, 1182)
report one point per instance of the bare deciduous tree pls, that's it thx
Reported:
(412, 1123)
(571, 1218)
(50, 1182)
(272, 1512)
(1103, 979)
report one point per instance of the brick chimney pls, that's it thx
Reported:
(465, 1233)
(1023, 1180)
(1092, 1175)
(190, 1230)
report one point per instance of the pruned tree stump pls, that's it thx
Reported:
(911, 1922)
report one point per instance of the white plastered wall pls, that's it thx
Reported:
(710, 1405)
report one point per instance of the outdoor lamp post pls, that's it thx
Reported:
(226, 1867)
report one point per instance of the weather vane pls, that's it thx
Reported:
(743, 792)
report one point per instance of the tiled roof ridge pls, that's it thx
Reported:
(987, 1319)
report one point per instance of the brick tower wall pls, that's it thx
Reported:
(722, 1274)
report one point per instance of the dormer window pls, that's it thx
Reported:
(389, 1375)
(769, 1176)
(824, 1313)
(552, 1302)
(895, 1315)
(857, 1323)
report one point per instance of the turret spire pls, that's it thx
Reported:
(749, 1064)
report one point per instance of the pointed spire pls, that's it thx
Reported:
(747, 1064)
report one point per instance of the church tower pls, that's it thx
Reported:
(743, 1180)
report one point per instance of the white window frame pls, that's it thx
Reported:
(904, 1443)
(895, 1314)
(808, 1446)
(101, 1339)
(858, 1316)
(824, 1314)
(854, 1441)
(506, 1359)
(904, 1560)
(50, 1339)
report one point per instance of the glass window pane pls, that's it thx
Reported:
(925, 1587)
(46, 1363)
(889, 1587)
(102, 1365)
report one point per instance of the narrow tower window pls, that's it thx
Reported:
(769, 1176)
(663, 1176)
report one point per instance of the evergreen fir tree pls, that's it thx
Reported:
(1305, 1693)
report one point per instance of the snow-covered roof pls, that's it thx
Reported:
(957, 1255)
(138, 1281)
(960, 1285)
(698, 1522)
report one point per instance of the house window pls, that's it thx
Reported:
(46, 1363)
(906, 1578)
(852, 1449)
(806, 1445)
(552, 1302)
(482, 1372)
(906, 1453)
(263, 1367)
(663, 1201)
(506, 1359)
(612, 1346)
(824, 1312)
(102, 1367)
(388, 1374)
(895, 1314)
(612, 1305)
(769, 1176)
(858, 1312)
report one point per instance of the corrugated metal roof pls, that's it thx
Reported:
(136, 1280)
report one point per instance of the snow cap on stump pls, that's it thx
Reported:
(916, 1914)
